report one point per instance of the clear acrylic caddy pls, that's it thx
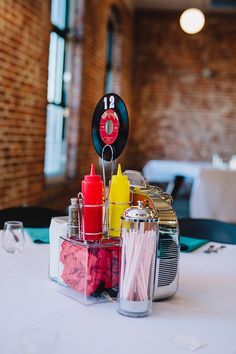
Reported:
(89, 271)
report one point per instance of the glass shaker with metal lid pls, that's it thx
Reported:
(139, 234)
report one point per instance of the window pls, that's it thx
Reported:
(111, 42)
(57, 95)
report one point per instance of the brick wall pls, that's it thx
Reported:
(91, 60)
(94, 54)
(179, 112)
(24, 41)
(176, 111)
(24, 38)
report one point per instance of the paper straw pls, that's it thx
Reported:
(138, 248)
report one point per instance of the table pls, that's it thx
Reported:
(166, 170)
(213, 195)
(36, 318)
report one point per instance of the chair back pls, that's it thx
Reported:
(31, 216)
(212, 230)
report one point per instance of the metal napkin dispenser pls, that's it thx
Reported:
(167, 265)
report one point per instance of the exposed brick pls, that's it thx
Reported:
(24, 41)
(177, 113)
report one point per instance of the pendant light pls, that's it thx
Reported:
(192, 20)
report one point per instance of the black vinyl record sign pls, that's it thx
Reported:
(110, 126)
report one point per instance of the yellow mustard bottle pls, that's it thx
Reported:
(119, 201)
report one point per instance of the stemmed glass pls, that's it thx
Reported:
(13, 236)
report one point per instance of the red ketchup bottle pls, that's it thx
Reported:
(92, 189)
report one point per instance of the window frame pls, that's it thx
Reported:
(61, 172)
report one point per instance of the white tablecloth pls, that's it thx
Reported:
(213, 195)
(166, 170)
(36, 318)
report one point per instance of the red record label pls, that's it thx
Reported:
(109, 126)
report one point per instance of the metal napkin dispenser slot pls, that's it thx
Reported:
(167, 265)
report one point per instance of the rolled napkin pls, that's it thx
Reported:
(189, 244)
(38, 235)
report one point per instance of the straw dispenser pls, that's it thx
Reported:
(139, 233)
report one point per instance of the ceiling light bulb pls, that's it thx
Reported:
(192, 21)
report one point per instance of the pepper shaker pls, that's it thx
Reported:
(73, 218)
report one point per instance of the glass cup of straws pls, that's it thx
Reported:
(13, 238)
(139, 233)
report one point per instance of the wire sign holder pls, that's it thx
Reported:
(110, 130)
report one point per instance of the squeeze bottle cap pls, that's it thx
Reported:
(119, 177)
(120, 188)
(92, 177)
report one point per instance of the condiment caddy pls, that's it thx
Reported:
(89, 256)
(122, 243)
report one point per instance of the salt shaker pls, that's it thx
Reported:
(139, 234)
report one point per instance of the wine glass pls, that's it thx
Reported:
(13, 239)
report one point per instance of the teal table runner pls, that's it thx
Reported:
(38, 235)
(41, 235)
(189, 244)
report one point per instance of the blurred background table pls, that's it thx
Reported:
(199, 189)
(166, 170)
(213, 195)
